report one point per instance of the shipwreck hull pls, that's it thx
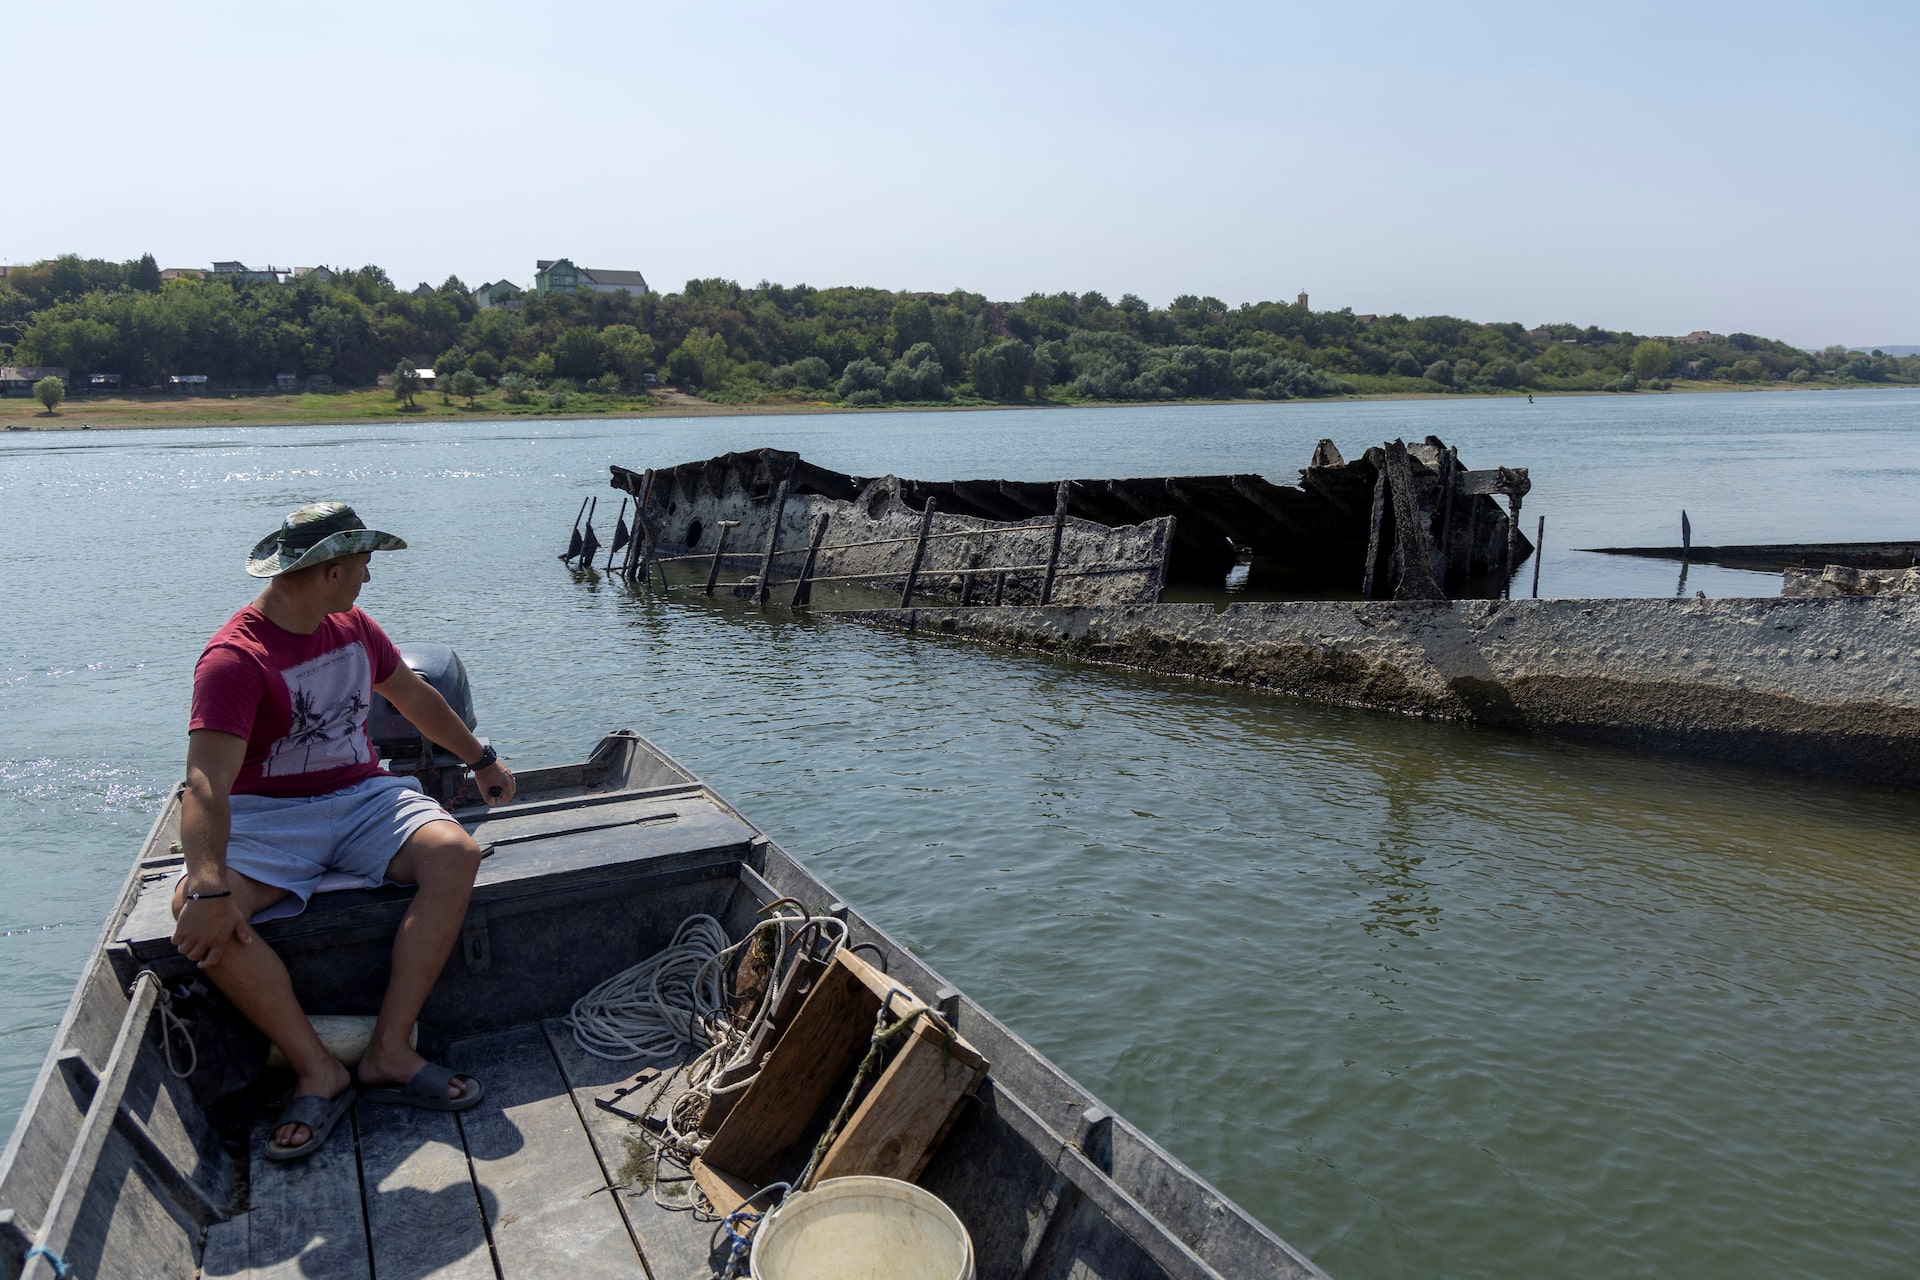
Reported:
(784, 521)
(1347, 526)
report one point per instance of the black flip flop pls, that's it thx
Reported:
(320, 1115)
(428, 1091)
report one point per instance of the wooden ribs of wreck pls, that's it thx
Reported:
(1121, 541)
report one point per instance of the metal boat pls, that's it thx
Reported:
(138, 1153)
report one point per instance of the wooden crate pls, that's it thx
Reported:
(894, 1129)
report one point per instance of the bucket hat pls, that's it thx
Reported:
(317, 532)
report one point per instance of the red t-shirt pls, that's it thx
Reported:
(301, 702)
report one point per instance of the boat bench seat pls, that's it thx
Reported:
(626, 867)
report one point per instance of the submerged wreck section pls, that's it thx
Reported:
(1827, 686)
(790, 525)
(1781, 557)
(1402, 521)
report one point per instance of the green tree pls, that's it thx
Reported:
(406, 382)
(910, 325)
(629, 353)
(144, 276)
(861, 377)
(1441, 372)
(1651, 359)
(1003, 370)
(467, 385)
(50, 391)
(579, 353)
(917, 375)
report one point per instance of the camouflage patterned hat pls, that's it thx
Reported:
(317, 532)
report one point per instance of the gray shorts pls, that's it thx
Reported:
(341, 840)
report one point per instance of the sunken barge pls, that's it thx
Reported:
(1401, 522)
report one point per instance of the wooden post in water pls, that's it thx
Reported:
(574, 540)
(1409, 530)
(972, 560)
(1449, 477)
(919, 551)
(726, 527)
(1686, 537)
(1059, 531)
(1164, 548)
(773, 543)
(999, 587)
(617, 524)
(803, 589)
(592, 544)
(641, 548)
(1379, 515)
(1539, 543)
(1506, 560)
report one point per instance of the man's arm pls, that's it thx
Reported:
(428, 712)
(207, 925)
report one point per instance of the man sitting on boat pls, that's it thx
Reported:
(284, 790)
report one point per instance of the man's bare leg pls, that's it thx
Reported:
(252, 976)
(441, 859)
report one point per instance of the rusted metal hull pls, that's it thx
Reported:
(1331, 532)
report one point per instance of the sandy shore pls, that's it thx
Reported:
(127, 413)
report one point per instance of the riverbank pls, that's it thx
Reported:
(275, 409)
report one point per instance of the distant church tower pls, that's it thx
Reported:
(1301, 301)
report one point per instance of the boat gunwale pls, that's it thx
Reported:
(1048, 1110)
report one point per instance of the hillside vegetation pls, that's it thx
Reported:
(856, 346)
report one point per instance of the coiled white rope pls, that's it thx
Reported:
(673, 1000)
(659, 1006)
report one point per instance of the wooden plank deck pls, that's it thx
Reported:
(676, 1246)
(518, 1188)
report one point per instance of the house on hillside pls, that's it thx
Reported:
(239, 273)
(189, 383)
(321, 274)
(559, 275)
(498, 293)
(18, 379)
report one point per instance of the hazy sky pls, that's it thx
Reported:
(1657, 168)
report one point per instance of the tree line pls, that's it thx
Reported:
(860, 346)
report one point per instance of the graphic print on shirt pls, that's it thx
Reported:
(328, 729)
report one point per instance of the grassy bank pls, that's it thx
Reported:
(378, 405)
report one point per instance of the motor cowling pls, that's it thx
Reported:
(394, 736)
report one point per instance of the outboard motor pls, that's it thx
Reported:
(402, 746)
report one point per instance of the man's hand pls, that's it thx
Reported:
(496, 782)
(207, 928)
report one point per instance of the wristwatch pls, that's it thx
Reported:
(488, 756)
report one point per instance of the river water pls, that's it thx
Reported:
(1430, 1000)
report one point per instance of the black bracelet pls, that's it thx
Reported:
(487, 756)
(197, 897)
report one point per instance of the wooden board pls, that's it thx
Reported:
(540, 1184)
(722, 1190)
(305, 1217)
(674, 1245)
(893, 1131)
(828, 1036)
(421, 1211)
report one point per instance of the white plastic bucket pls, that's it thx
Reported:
(863, 1229)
